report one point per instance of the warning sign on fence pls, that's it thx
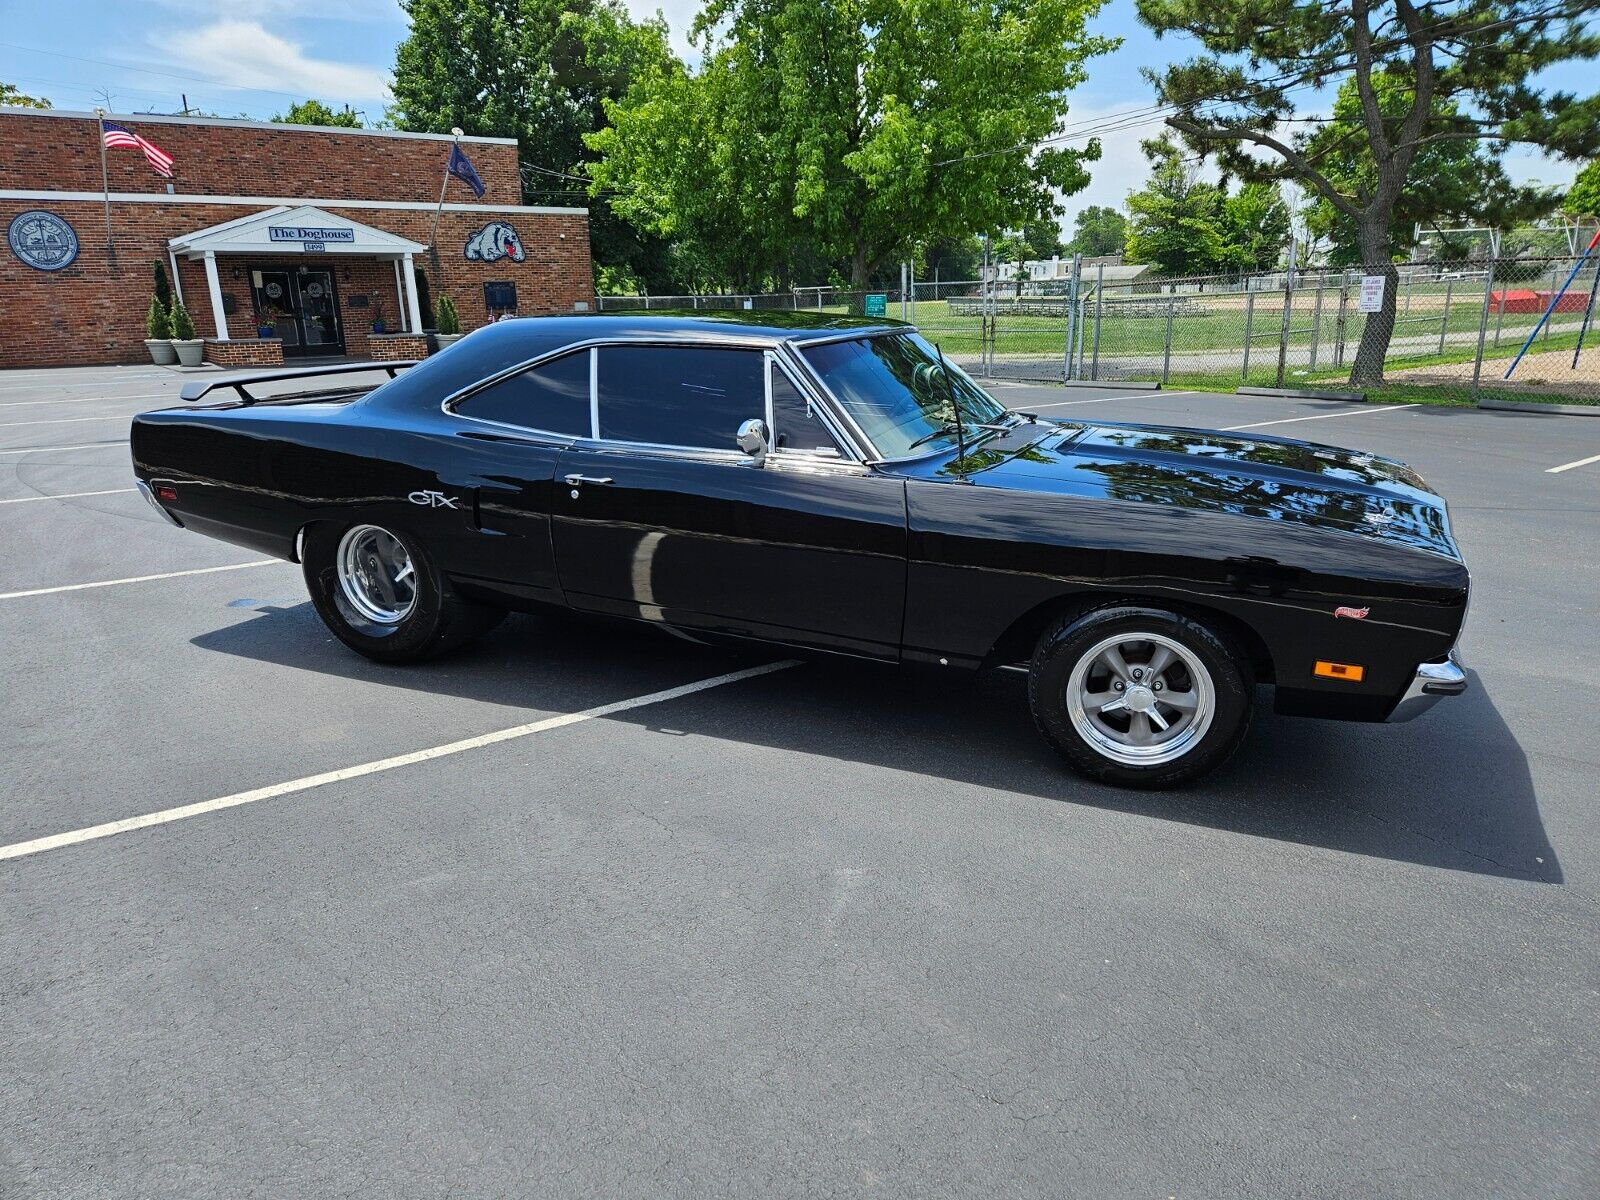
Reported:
(1371, 299)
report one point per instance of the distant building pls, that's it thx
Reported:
(282, 240)
(1058, 270)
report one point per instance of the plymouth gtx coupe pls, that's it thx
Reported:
(833, 484)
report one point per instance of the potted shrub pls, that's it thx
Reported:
(377, 316)
(447, 322)
(158, 334)
(191, 350)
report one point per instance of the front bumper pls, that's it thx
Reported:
(1432, 682)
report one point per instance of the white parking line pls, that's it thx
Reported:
(104, 583)
(68, 496)
(1321, 417)
(64, 420)
(1582, 462)
(306, 783)
(79, 446)
(88, 399)
(1106, 399)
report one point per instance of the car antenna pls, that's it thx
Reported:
(950, 393)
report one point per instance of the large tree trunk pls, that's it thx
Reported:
(859, 266)
(1367, 369)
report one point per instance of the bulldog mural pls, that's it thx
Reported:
(495, 241)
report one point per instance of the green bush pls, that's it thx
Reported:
(157, 322)
(163, 288)
(182, 323)
(445, 318)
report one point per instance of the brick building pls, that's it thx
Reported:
(284, 241)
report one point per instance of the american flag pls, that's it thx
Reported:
(160, 161)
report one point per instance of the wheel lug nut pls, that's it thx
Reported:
(1137, 673)
(1117, 686)
(1158, 685)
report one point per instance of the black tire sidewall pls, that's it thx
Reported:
(422, 631)
(1063, 644)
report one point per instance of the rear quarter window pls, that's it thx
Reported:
(553, 398)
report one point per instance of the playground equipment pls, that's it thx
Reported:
(1588, 310)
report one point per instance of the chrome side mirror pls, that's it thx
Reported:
(753, 439)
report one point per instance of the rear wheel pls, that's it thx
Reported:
(379, 592)
(1139, 697)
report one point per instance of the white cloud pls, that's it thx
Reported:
(243, 54)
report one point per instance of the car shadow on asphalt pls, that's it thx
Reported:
(1452, 789)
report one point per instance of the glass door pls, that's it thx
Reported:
(301, 307)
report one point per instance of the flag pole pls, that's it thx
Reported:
(444, 186)
(105, 179)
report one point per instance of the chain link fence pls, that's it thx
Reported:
(1458, 330)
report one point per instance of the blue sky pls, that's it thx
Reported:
(255, 57)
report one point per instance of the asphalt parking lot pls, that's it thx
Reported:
(828, 929)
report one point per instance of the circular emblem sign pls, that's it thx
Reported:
(274, 291)
(42, 240)
(313, 290)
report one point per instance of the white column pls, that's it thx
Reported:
(411, 294)
(214, 286)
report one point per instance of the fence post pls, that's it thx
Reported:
(1166, 349)
(1444, 325)
(1341, 323)
(902, 291)
(1249, 322)
(1072, 316)
(1499, 316)
(1099, 307)
(913, 269)
(1483, 324)
(1316, 324)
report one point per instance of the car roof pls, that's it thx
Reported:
(780, 324)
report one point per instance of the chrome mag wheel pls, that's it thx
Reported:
(1140, 699)
(376, 574)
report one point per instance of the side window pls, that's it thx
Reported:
(795, 426)
(553, 397)
(678, 396)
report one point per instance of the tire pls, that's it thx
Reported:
(1106, 723)
(388, 626)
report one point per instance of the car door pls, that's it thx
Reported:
(517, 427)
(661, 517)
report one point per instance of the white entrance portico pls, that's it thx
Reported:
(305, 230)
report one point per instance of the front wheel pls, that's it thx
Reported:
(381, 595)
(1139, 697)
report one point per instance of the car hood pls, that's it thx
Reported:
(1271, 478)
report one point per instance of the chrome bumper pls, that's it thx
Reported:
(150, 496)
(1432, 681)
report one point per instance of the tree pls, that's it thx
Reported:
(1042, 236)
(540, 71)
(13, 97)
(1175, 222)
(1255, 227)
(1098, 231)
(863, 128)
(315, 112)
(1450, 182)
(1463, 67)
(1583, 200)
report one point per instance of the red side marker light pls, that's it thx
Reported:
(166, 492)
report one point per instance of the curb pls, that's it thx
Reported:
(1301, 394)
(1560, 410)
(1117, 385)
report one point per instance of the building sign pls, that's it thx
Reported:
(309, 234)
(500, 296)
(495, 241)
(1371, 298)
(42, 240)
(876, 304)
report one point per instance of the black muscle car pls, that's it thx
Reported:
(831, 484)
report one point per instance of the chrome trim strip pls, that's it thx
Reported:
(1432, 682)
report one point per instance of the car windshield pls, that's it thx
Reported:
(895, 390)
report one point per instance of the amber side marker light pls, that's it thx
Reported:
(1348, 672)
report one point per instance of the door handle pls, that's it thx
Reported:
(575, 480)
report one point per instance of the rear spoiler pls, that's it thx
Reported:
(200, 389)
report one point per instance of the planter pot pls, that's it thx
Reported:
(447, 340)
(377, 327)
(190, 354)
(161, 351)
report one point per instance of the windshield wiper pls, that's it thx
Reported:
(951, 429)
